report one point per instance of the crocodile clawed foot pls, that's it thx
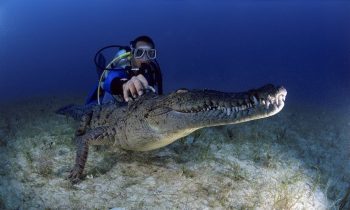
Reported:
(75, 175)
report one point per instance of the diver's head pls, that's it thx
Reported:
(143, 51)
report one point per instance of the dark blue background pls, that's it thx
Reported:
(46, 47)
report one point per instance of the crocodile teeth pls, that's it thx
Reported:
(228, 111)
(255, 100)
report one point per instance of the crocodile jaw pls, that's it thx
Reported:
(241, 108)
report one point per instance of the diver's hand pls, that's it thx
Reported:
(134, 87)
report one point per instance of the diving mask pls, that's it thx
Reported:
(139, 52)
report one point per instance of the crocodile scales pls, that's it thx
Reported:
(154, 121)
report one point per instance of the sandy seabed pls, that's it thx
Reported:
(298, 159)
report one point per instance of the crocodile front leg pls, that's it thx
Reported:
(97, 136)
(84, 122)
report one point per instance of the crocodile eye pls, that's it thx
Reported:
(182, 90)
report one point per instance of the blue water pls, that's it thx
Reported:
(47, 47)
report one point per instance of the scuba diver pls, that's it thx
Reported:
(133, 70)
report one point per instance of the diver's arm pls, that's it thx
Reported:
(117, 86)
(134, 87)
(128, 88)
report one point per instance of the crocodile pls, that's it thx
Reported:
(153, 121)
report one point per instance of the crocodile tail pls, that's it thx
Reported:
(75, 111)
